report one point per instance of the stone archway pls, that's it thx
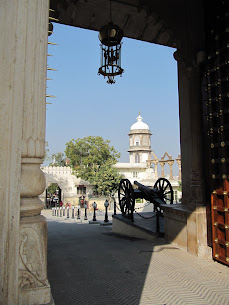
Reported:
(53, 195)
(63, 177)
(170, 162)
(23, 52)
(161, 23)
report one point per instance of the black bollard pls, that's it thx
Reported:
(55, 211)
(73, 209)
(85, 215)
(114, 207)
(132, 214)
(78, 212)
(63, 211)
(106, 204)
(158, 221)
(60, 211)
(94, 207)
(67, 211)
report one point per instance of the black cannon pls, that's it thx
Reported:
(161, 193)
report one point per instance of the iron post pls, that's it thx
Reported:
(94, 207)
(158, 221)
(114, 206)
(73, 209)
(106, 204)
(85, 215)
(78, 211)
(67, 211)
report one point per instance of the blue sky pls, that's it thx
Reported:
(86, 105)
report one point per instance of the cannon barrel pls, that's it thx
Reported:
(147, 190)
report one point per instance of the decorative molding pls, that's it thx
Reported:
(32, 256)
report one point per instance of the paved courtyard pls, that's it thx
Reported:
(89, 265)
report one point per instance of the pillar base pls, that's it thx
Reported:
(34, 287)
(185, 226)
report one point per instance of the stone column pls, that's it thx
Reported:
(179, 165)
(11, 105)
(190, 131)
(185, 225)
(23, 50)
(162, 163)
(33, 284)
(170, 162)
(155, 162)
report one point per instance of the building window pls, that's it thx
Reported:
(135, 174)
(137, 143)
(81, 190)
(137, 158)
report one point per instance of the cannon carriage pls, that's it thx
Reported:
(161, 193)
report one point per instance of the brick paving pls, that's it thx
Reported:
(89, 265)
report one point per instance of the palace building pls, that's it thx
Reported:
(138, 168)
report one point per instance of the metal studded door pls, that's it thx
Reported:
(215, 89)
(220, 224)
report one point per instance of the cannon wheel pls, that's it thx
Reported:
(166, 190)
(126, 197)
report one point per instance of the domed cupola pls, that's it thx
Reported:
(139, 141)
(139, 124)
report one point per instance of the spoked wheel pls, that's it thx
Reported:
(126, 197)
(165, 190)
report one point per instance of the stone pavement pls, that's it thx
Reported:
(88, 265)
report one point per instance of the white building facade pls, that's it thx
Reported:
(140, 167)
(139, 142)
(139, 152)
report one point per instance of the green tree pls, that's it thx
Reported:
(107, 179)
(91, 159)
(52, 188)
(180, 186)
(58, 159)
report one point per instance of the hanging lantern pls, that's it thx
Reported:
(110, 36)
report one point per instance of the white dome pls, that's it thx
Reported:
(139, 124)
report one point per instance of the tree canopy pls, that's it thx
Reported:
(52, 188)
(58, 159)
(91, 159)
(107, 179)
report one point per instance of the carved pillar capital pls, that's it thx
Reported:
(32, 185)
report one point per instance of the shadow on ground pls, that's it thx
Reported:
(90, 265)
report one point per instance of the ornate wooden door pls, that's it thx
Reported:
(215, 93)
(220, 223)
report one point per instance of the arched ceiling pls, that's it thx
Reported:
(153, 21)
